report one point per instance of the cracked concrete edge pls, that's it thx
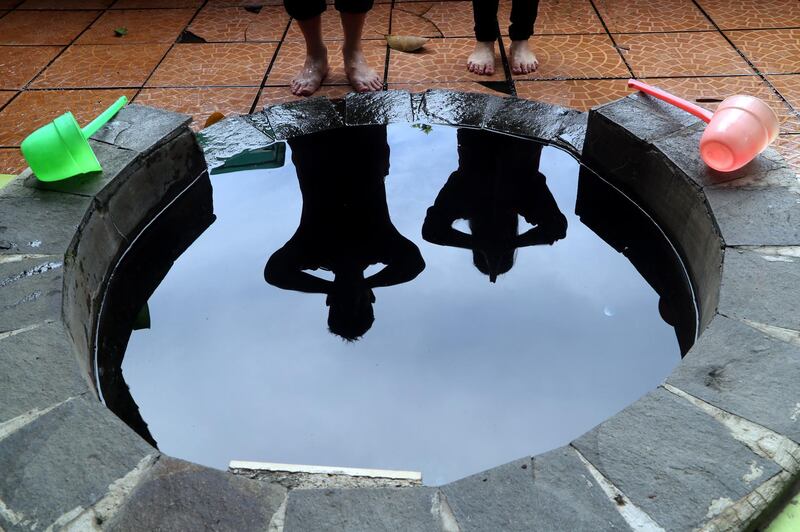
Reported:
(729, 516)
(634, 516)
(761, 440)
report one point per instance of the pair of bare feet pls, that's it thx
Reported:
(360, 75)
(521, 58)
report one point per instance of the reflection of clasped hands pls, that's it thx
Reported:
(541, 234)
(357, 291)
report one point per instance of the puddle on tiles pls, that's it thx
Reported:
(505, 324)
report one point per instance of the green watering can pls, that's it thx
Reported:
(60, 149)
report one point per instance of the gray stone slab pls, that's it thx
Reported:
(87, 265)
(30, 292)
(151, 183)
(574, 134)
(178, 495)
(756, 216)
(374, 108)
(140, 128)
(39, 370)
(361, 510)
(672, 460)
(742, 371)
(62, 460)
(552, 491)
(458, 108)
(39, 222)
(526, 118)
(761, 287)
(303, 117)
(645, 117)
(113, 160)
(228, 138)
(683, 149)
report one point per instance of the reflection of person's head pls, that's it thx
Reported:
(491, 257)
(350, 313)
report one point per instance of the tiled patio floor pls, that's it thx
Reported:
(234, 56)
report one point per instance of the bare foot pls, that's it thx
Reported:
(314, 71)
(523, 60)
(361, 76)
(481, 60)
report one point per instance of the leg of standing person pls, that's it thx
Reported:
(308, 14)
(481, 60)
(523, 17)
(361, 76)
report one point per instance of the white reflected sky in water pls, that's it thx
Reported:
(457, 375)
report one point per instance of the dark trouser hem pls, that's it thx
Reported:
(523, 18)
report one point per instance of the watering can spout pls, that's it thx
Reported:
(92, 127)
(60, 149)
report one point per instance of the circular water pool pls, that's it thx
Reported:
(431, 299)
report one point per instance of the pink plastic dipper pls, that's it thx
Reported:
(740, 129)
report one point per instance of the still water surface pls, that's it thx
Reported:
(457, 373)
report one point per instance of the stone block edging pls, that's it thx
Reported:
(712, 448)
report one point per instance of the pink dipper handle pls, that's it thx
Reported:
(703, 114)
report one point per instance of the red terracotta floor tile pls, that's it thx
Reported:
(236, 24)
(463, 86)
(632, 16)
(292, 55)
(94, 66)
(454, 19)
(33, 109)
(442, 60)
(275, 95)
(789, 148)
(681, 54)
(565, 16)
(789, 87)
(65, 4)
(440, 19)
(200, 102)
(11, 161)
(20, 64)
(576, 56)
(375, 27)
(142, 25)
(148, 4)
(574, 93)
(44, 27)
(219, 64)
(5, 96)
(771, 51)
(752, 14)
(709, 92)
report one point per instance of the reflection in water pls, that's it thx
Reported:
(497, 181)
(344, 227)
(455, 375)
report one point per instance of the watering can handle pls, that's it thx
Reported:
(701, 113)
(92, 127)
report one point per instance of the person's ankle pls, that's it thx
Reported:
(317, 51)
(352, 50)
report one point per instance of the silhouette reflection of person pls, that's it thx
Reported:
(497, 179)
(344, 227)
